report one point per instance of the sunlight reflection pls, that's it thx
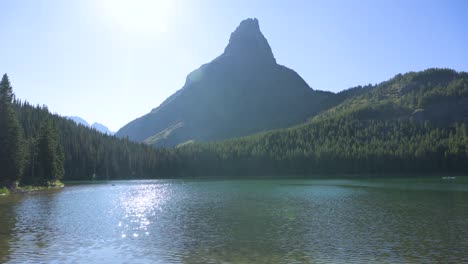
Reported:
(139, 207)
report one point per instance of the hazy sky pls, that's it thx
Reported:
(112, 61)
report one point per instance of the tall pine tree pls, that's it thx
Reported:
(11, 152)
(46, 156)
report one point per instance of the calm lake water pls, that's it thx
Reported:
(239, 221)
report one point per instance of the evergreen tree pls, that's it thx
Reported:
(11, 154)
(47, 156)
(30, 163)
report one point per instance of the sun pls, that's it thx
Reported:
(138, 15)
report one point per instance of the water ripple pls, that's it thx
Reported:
(267, 221)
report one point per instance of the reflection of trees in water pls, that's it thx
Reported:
(7, 224)
(33, 225)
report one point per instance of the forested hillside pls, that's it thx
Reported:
(39, 148)
(414, 122)
(89, 153)
(344, 145)
(439, 96)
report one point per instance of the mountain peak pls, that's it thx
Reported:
(248, 43)
(240, 92)
(249, 24)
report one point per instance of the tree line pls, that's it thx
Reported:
(39, 148)
(33, 160)
(344, 145)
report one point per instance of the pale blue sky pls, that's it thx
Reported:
(111, 62)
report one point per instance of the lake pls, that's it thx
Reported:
(239, 221)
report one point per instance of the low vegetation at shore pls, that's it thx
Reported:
(4, 191)
(30, 188)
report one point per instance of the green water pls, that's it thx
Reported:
(239, 221)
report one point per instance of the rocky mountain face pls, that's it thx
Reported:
(241, 92)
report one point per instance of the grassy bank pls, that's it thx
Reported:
(28, 188)
(4, 191)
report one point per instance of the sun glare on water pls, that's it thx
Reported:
(143, 16)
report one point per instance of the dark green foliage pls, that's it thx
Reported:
(436, 95)
(57, 148)
(45, 157)
(87, 153)
(11, 148)
(337, 146)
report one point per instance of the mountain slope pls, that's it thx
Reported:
(376, 129)
(439, 96)
(241, 92)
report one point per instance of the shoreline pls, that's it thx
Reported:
(4, 192)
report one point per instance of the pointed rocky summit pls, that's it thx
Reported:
(248, 43)
(241, 92)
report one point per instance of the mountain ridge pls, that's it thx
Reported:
(437, 95)
(98, 126)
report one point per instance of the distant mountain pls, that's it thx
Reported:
(102, 128)
(99, 127)
(241, 92)
(79, 120)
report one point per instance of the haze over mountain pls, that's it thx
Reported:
(98, 126)
(241, 92)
